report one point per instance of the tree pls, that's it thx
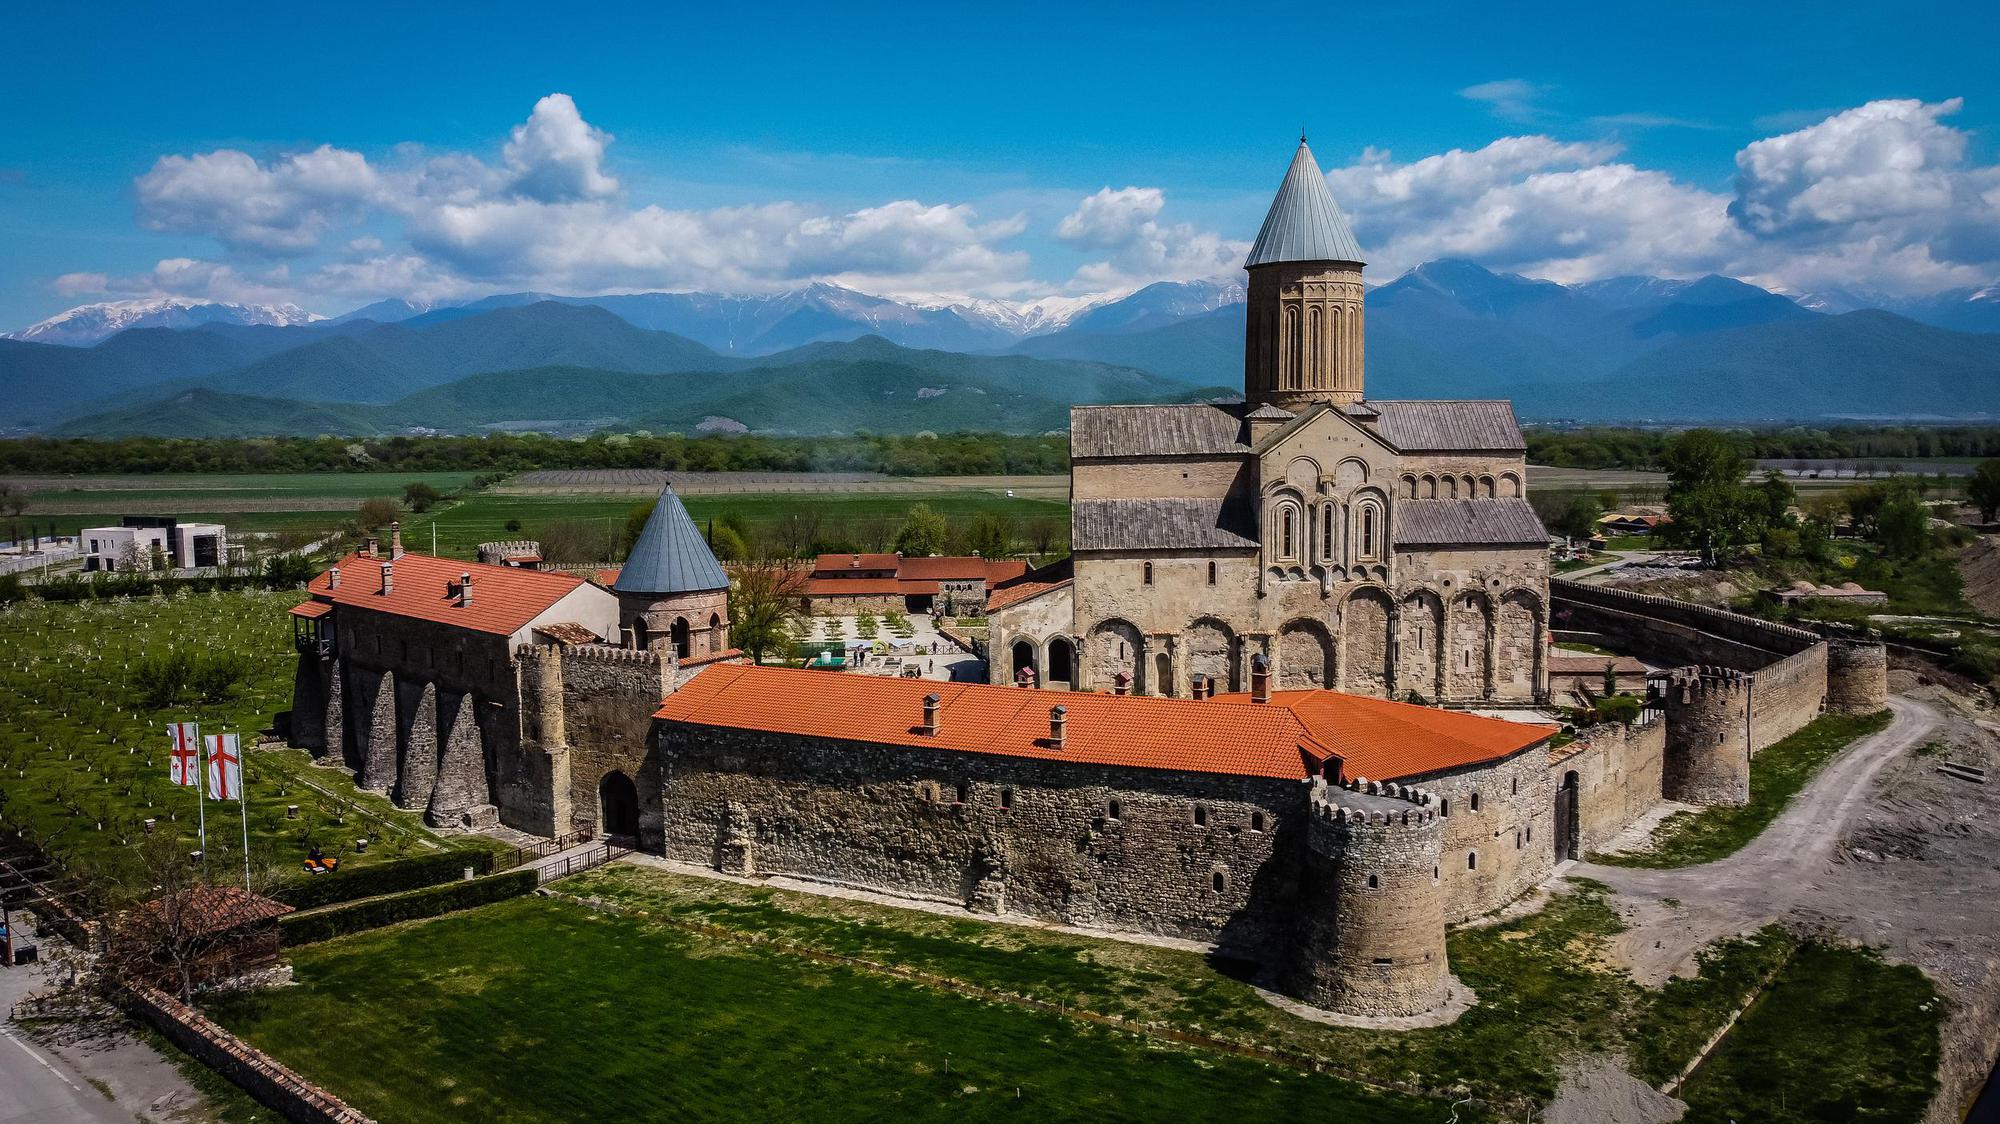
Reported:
(377, 513)
(1902, 527)
(991, 535)
(420, 497)
(765, 602)
(1712, 510)
(924, 532)
(1573, 515)
(1983, 489)
(1776, 495)
(184, 930)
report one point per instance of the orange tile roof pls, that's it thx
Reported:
(1183, 735)
(312, 609)
(1386, 741)
(712, 657)
(504, 598)
(847, 563)
(1030, 584)
(606, 578)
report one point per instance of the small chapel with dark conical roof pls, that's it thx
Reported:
(672, 593)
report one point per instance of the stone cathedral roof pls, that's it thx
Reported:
(1448, 425)
(1479, 522)
(671, 555)
(1304, 223)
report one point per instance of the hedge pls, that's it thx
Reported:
(390, 877)
(326, 924)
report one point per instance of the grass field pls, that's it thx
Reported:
(1777, 773)
(247, 501)
(541, 1010)
(1839, 1035)
(83, 751)
(461, 527)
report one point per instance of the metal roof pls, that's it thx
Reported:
(671, 556)
(1448, 425)
(1495, 522)
(1156, 431)
(1179, 523)
(1304, 223)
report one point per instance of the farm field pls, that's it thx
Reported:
(461, 527)
(83, 749)
(250, 501)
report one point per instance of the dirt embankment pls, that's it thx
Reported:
(1979, 566)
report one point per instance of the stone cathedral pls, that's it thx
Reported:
(1377, 546)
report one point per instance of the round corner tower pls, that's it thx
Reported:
(1370, 938)
(1303, 328)
(1857, 676)
(672, 593)
(1707, 758)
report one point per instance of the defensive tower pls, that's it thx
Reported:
(1303, 339)
(1707, 758)
(1371, 918)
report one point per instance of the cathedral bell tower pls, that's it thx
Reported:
(1302, 343)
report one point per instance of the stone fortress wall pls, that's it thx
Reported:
(1618, 776)
(587, 713)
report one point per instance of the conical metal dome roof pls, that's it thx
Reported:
(671, 556)
(1304, 223)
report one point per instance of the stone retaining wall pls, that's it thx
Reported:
(273, 1084)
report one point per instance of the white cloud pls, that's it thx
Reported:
(1124, 224)
(1885, 160)
(1512, 99)
(557, 156)
(283, 207)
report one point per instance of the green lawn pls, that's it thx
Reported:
(1840, 1035)
(538, 1009)
(83, 755)
(1777, 773)
(461, 527)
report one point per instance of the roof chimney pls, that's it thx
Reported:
(1024, 677)
(931, 714)
(1199, 686)
(1121, 683)
(465, 588)
(395, 540)
(1058, 719)
(388, 578)
(369, 547)
(1260, 679)
(333, 578)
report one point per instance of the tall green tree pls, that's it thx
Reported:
(1902, 527)
(924, 532)
(1776, 495)
(1712, 510)
(764, 603)
(1984, 489)
(991, 535)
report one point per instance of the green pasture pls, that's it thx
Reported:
(83, 749)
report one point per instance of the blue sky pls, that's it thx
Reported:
(961, 151)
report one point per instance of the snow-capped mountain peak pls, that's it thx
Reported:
(90, 324)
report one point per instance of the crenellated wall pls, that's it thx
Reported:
(1708, 725)
(587, 713)
(1618, 774)
(1857, 676)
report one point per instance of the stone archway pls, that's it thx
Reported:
(1021, 657)
(1305, 656)
(682, 638)
(1467, 655)
(1111, 647)
(1211, 651)
(618, 806)
(1061, 662)
(1518, 634)
(1419, 645)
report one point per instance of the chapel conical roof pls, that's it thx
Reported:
(671, 556)
(1304, 223)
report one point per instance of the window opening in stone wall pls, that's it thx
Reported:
(1219, 880)
(1475, 801)
(1006, 799)
(1326, 531)
(1383, 961)
(1111, 810)
(1211, 573)
(1368, 532)
(1285, 531)
(1149, 573)
(1436, 872)
(1200, 816)
(1472, 860)
(1444, 807)
(964, 792)
(1256, 821)
(1517, 841)
(1531, 833)
(1374, 882)
(1517, 786)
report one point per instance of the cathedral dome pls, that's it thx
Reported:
(1304, 223)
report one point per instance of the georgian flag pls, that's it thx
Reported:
(184, 760)
(225, 767)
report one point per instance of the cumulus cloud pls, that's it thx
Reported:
(1123, 223)
(558, 156)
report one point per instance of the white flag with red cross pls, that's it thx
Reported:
(225, 767)
(184, 759)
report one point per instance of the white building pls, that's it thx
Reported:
(152, 543)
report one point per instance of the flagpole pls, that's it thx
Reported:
(243, 807)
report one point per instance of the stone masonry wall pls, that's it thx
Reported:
(1491, 854)
(273, 1084)
(1204, 857)
(609, 696)
(1708, 753)
(1857, 677)
(1618, 771)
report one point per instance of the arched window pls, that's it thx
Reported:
(1472, 860)
(1444, 807)
(1220, 881)
(1475, 801)
(1517, 786)
(1200, 816)
(1111, 810)
(1256, 821)
(1368, 531)
(1211, 573)
(1287, 530)
(1149, 574)
(1374, 882)
(1326, 531)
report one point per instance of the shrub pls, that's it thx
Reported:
(383, 878)
(356, 917)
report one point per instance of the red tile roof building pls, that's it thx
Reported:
(885, 582)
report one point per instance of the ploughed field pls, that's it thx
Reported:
(639, 992)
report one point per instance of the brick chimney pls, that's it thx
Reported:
(333, 578)
(395, 540)
(931, 714)
(388, 578)
(465, 588)
(369, 546)
(1121, 683)
(1058, 720)
(1198, 687)
(1260, 679)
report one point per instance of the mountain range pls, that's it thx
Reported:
(827, 359)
